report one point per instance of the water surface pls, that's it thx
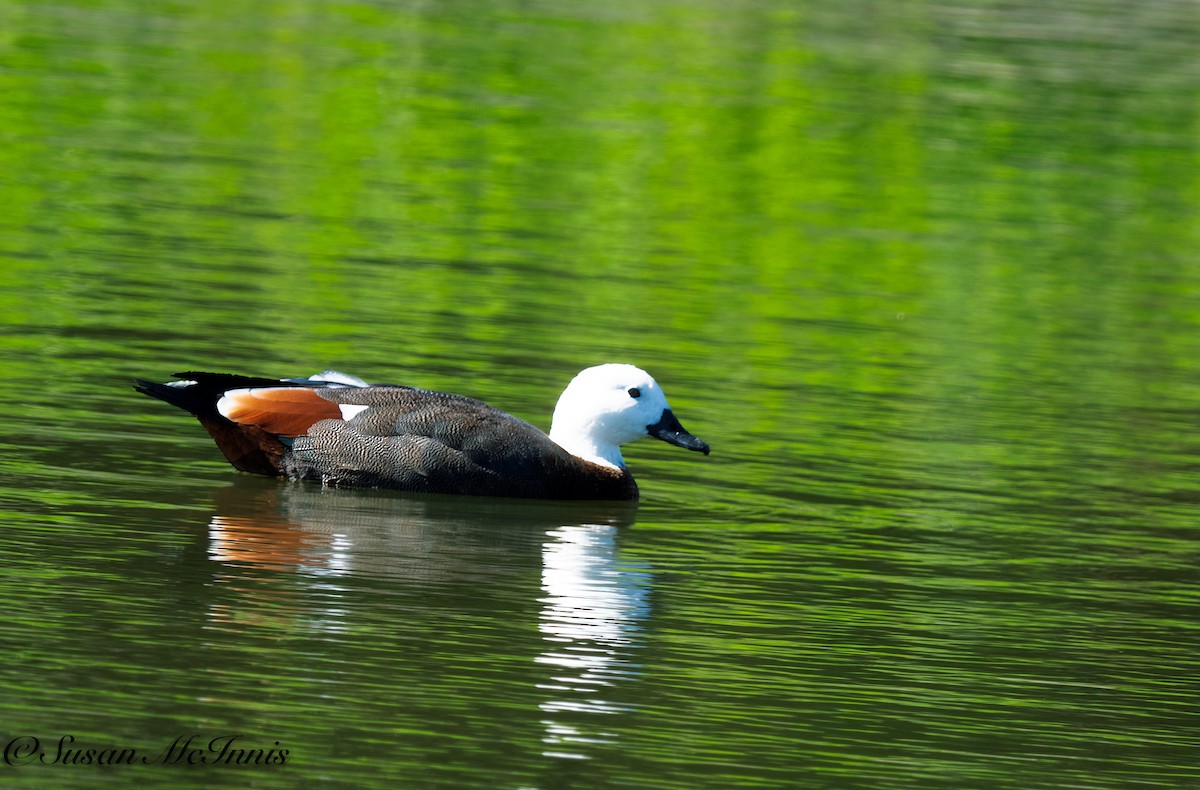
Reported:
(924, 276)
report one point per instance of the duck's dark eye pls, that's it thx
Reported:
(634, 392)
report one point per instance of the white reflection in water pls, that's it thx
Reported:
(592, 608)
(590, 619)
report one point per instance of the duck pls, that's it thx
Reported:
(339, 430)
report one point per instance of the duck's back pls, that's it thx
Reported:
(419, 440)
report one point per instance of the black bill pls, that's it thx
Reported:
(669, 430)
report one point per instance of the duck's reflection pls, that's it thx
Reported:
(590, 606)
(590, 620)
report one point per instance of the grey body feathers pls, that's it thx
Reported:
(419, 440)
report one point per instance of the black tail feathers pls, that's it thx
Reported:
(198, 393)
(246, 447)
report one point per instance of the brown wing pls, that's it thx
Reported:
(283, 411)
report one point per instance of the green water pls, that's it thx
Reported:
(925, 276)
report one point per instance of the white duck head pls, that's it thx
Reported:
(608, 405)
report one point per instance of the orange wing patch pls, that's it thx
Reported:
(283, 411)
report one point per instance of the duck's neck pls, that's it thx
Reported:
(585, 446)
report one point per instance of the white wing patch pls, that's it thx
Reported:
(334, 378)
(349, 412)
